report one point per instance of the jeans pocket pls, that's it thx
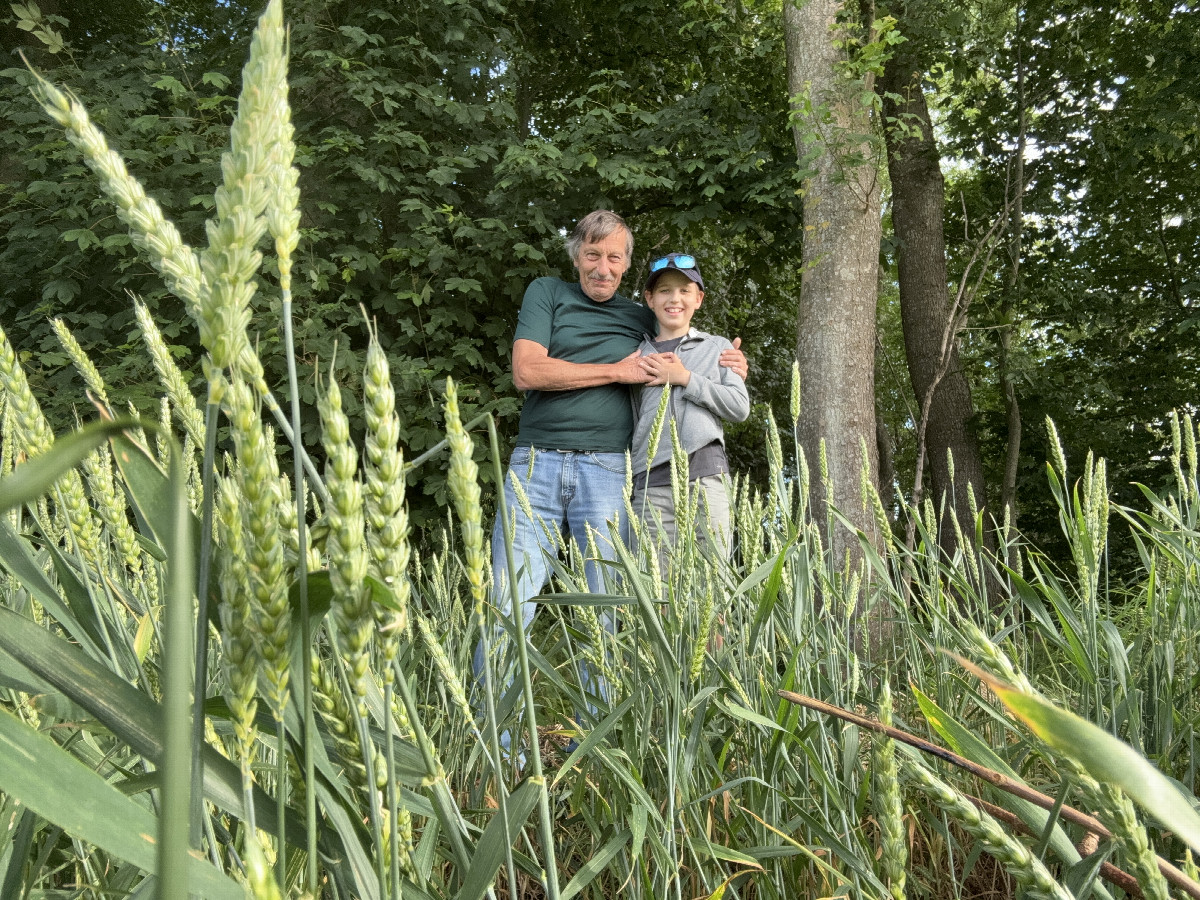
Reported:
(611, 462)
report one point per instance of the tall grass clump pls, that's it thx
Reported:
(222, 680)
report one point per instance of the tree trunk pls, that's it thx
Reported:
(918, 208)
(838, 294)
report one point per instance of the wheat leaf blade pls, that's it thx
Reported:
(63, 790)
(1105, 758)
(489, 852)
(149, 490)
(34, 478)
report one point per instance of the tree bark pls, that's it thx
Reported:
(835, 344)
(918, 209)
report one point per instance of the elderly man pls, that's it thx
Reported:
(575, 353)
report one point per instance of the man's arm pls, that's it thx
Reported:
(534, 369)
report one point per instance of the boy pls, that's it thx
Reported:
(702, 395)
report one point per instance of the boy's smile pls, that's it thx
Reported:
(674, 299)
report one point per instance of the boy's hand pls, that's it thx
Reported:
(734, 359)
(666, 368)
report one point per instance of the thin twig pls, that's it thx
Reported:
(955, 320)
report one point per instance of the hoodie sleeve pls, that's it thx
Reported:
(725, 395)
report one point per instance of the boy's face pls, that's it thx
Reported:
(674, 299)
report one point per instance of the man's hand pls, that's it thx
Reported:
(666, 368)
(631, 371)
(735, 359)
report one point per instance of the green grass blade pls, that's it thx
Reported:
(32, 479)
(737, 711)
(1103, 756)
(16, 556)
(150, 492)
(490, 850)
(594, 737)
(577, 599)
(352, 855)
(62, 790)
(594, 866)
(20, 843)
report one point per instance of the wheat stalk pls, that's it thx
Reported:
(889, 808)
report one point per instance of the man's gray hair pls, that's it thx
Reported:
(596, 226)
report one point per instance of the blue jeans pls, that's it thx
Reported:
(568, 491)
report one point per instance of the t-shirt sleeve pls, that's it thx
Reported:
(535, 322)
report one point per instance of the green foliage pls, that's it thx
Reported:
(441, 151)
(1101, 306)
(694, 777)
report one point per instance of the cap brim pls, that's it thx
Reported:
(690, 274)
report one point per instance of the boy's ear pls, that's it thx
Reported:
(699, 298)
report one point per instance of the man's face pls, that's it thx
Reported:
(601, 264)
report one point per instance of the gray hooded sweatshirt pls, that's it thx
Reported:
(713, 394)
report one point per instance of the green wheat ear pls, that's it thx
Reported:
(232, 259)
(1026, 868)
(81, 361)
(178, 264)
(384, 505)
(345, 546)
(464, 488)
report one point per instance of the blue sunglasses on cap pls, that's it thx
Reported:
(681, 262)
(673, 262)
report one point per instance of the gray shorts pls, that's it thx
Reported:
(714, 520)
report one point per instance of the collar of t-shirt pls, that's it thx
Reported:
(668, 346)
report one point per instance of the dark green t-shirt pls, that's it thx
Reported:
(573, 327)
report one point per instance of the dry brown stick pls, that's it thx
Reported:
(991, 776)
